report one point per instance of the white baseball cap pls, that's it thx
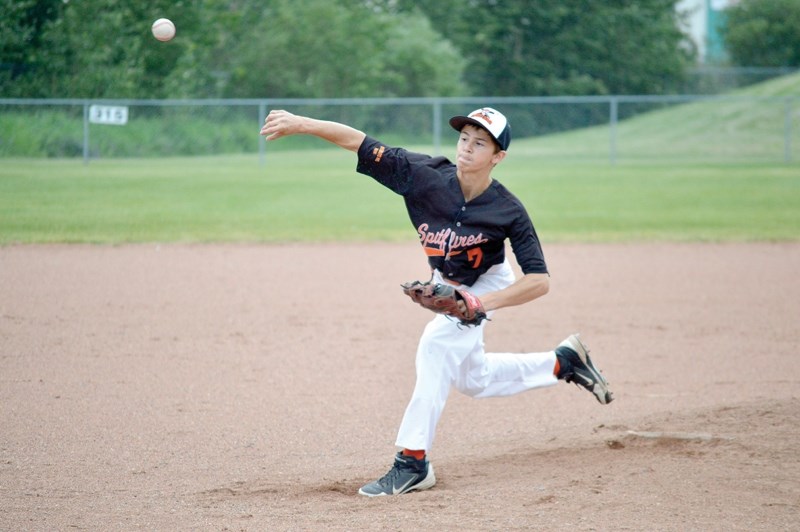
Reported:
(489, 119)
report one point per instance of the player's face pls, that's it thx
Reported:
(476, 150)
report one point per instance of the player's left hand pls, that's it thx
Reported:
(446, 299)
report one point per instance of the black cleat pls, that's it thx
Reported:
(407, 474)
(577, 367)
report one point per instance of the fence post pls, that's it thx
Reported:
(437, 127)
(613, 117)
(86, 132)
(787, 131)
(262, 144)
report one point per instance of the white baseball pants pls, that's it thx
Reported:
(451, 355)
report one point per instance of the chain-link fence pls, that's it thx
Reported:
(710, 79)
(609, 128)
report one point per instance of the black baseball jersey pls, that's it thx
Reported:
(461, 239)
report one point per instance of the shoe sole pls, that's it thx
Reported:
(427, 483)
(600, 388)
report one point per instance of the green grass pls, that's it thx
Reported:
(663, 187)
(748, 126)
(317, 196)
(675, 203)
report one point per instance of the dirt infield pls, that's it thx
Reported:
(239, 387)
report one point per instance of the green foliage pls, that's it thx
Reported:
(20, 34)
(750, 125)
(100, 49)
(331, 56)
(764, 33)
(250, 48)
(149, 133)
(341, 52)
(568, 47)
(46, 134)
(175, 130)
(338, 48)
(417, 61)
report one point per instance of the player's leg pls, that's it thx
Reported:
(441, 350)
(501, 374)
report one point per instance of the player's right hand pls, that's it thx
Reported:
(279, 123)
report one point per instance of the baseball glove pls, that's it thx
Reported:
(446, 299)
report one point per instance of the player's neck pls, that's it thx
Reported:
(473, 185)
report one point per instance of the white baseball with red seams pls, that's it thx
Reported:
(163, 29)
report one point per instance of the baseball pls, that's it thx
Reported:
(163, 29)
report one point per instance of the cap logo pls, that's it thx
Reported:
(489, 119)
(482, 114)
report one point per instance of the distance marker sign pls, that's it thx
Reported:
(116, 115)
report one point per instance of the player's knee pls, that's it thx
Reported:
(472, 382)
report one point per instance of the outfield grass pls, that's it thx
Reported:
(748, 125)
(660, 189)
(317, 196)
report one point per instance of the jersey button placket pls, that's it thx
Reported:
(457, 223)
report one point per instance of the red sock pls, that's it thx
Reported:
(419, 455)
(557, 368)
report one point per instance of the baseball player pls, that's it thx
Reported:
(463, 217)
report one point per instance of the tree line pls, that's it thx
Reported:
(362, 48)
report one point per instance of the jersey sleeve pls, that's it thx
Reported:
(392, 167)
(526, 246)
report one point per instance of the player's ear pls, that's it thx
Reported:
(498, 156)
